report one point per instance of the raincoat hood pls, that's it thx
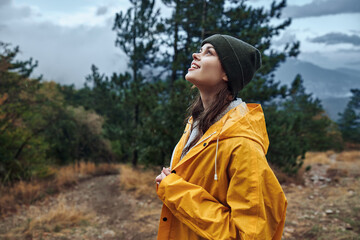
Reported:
(248, 123)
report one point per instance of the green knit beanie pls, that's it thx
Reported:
(239, 59)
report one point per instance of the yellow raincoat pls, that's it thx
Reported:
(245, 202)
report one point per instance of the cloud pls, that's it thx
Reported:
(336, 38)
(322, 7)
(101, 10)
(65, 54)
(4, 3)
(332, 60)
(65, 44)
(357, 63)
(355, 31)
(286, 37)
(9, 12)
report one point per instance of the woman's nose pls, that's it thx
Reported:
(196, 56)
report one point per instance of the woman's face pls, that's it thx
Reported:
(206, 72)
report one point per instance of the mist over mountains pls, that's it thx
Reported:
(331, 86)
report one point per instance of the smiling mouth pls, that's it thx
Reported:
(194, 66)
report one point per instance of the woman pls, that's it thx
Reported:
(219, 185)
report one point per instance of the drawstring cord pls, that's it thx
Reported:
(217, 145)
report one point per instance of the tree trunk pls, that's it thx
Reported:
(136, 107)
(203, 19)
(135, 143)
(176, 50)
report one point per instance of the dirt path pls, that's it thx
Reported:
(116, 214)
(119, 215)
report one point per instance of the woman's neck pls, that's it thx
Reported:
(207, 99)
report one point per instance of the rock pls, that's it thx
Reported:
(311, 197)
(314, 178)
(294, 222)
(109, 234)
(289, 229)
(350, 192)
(329, 211)
(348, 227)
(341, 228)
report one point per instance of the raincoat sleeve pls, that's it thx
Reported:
(256, 203)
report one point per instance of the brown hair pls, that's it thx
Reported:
(206, 118)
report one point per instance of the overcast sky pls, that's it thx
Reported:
(67, 36)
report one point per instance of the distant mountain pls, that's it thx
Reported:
(349, 71)
(334, 106)
(331, 86)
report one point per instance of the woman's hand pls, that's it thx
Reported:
(162, 175)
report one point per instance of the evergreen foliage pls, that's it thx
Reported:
(136, 37)
(349, 121)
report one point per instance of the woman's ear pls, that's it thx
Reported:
(225, 78)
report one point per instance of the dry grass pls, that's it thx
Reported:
(7, 203)
(28, 192)
(20, 193)
(311, 158)
(347, 164)
(66, 176)
(56, 219)
(318, 158)
(106, 169)
(85, 168)
(349, 156)
(138, 180)
(344, 164)
(70, 175)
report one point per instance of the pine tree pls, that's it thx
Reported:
(296, 125)
(136, 36)
(349, 121)
(187, 26)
